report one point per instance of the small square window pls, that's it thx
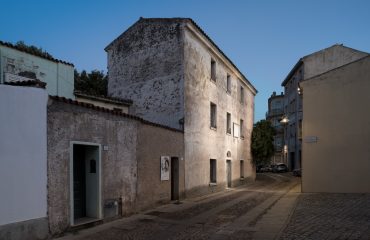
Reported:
(213, 171)
(228, 83)
(241, 128)
(213, 118)
(213, 70)
(228, 123)
(242, 95)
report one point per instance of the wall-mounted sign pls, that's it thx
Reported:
(165, 168)
(310, 139)
(236, 130)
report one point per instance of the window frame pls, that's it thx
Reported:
(242, 169)
(241, 94)
(213, 171)
(213, 115)
(228, 83)
(228, 123)
(213, 70)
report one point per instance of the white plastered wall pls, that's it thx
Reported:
(23, 154)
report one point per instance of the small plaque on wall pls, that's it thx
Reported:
(310, 139)
(165, 168)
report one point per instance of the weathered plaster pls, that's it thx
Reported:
(68, 123)
(145, 65)
(152, 144)
(201, 142)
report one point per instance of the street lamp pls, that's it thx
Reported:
(284, 121)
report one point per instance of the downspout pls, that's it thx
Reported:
(57, 79)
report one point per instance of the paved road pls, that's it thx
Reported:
(256, 211)
(330, 216)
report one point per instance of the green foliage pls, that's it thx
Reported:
(93, 83)
(33, 49)
(262, 142)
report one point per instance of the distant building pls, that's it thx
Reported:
(19, 65)
(308, 67)
(274, 115)
(336, 130)
(177, 76)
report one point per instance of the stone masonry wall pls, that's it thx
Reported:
(145, 65)
(203, 143)
(68, 123)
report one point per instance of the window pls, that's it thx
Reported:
(213, 70)
(241, 168)
(241, 94)
(241, 128)
(228, 83)
(213, 115)
(213, 171)
(228, 123)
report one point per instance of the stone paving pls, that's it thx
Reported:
(270, 208)
(330, 216)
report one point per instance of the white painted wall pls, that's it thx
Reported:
(23, 176)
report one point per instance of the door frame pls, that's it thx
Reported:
(175, 179)
(228, 161)
(71, 194)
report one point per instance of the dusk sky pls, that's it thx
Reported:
(263, 38)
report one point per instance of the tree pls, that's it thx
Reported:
(33, 49)
(262, 142)
(93, 83)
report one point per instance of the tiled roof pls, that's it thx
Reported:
(200, 30)
(35, 54)
(31, 83)
(118, 101)
(109, 111)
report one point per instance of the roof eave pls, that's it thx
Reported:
(249, 84)
(294, 69)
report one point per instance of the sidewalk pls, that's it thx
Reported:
(330, 216)
(275, 219)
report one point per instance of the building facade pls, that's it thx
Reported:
(104, 164)
(307, 67)
(177, 76)
(20, 65)
(336, 130)
(23, 162)
(275, 115)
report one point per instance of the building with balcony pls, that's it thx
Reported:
(307, 67)
(274, 115)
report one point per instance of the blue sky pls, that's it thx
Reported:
(263, 38)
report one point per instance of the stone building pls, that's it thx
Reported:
(336, 130)
(308, 67)
(274, 115)
(177, 76)
(104, 164)
(20, 65)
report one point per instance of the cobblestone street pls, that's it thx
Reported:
(330, 216)
(270, 208)
(232, 214)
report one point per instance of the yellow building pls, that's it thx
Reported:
(336, 130)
